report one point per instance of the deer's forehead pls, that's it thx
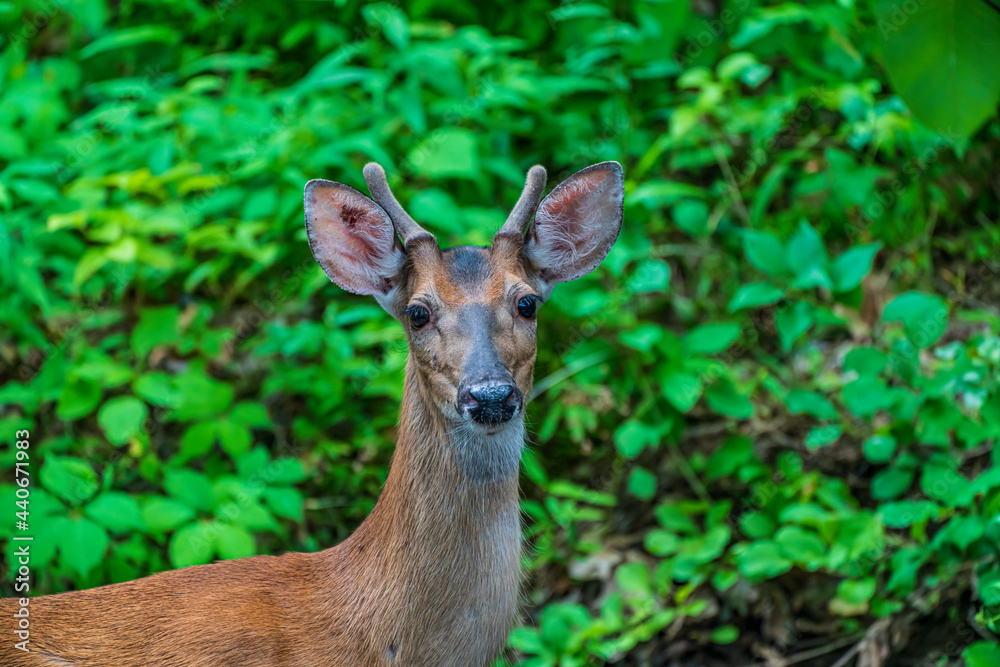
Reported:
(468, 274)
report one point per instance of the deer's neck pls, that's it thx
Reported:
(441, 550)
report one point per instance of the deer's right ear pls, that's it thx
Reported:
(353, 239)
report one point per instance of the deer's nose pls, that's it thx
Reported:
(490, 402)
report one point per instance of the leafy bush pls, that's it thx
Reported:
(765, 425)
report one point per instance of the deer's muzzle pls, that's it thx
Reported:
(491, 403)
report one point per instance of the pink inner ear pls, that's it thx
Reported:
(352, 238)
(576, 225)
(575, 193)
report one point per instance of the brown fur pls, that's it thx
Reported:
(431, 576)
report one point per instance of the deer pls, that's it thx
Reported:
(431, 577)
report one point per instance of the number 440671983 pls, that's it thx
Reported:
(22, 476)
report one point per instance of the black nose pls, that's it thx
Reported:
(490, 403)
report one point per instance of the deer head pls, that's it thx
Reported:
(469, 312)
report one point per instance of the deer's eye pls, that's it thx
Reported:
(419, 316)
(526, 307)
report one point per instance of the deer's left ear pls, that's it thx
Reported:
(576, 224)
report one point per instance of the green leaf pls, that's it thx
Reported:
(528, 641)
(284, 502)
(391, 20)
(935, 421)
(813, 276)
(674, 518)
(944, 483)
(78, 399)
(642, 483)
(962, 531)
(755, 295)
(157, 389)
(793, 322)
(682, 390)
(723, 398)
(234, 438)
(156, 327)
(924, 316)
(201, 396)
(285, 471)
(865, 361)
(253, 464)
(190, 487)
(933, 55)
(762, 560)
(765, 252)
(642, 337)
(866, 396)
(161, 514)
(118, 512)
(802, 546)
(891, 482)
(725, 634)
(251, 415)
(121, 418)
(800, 401)
(723, 579)
(851, 267)
(736, 452)
(903, 513)
(448, 153)
(806, 256)
(711, 338)
(661, 542)
(702, 549)
(821, 436)
(192, 545)
(633, 577)
(104, 372)
(649, 276)
(982, 654)
(81, 545)
(756, 525)
(806, 513)
(127, 37)
(662, 24)
(71, 479)
(691, 215)
(879, 448)
(48, 538)
(197, 440)
(632, 436)
(856, 591)
(654, 193)
(233, 542)
(252, 516)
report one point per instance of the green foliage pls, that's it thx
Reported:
(782, 384)
(933, 54)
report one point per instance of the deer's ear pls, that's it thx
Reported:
(352, 238)
(577, 223)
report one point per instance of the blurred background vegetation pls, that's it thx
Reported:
(765, 428)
